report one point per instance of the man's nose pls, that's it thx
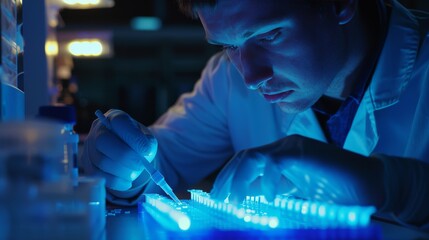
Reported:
(256, 67)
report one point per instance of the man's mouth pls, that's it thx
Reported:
(276, 97)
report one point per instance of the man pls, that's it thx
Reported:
(336, 110)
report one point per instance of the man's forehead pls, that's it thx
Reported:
(234, 22)
(242, 9)
(214, 3)
(253, 7)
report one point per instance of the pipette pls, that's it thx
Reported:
(156, 176)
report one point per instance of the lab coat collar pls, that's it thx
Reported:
(306, 124)
(391, 76)
(397, 58)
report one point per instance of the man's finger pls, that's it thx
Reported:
(252, 166)
(113, 147)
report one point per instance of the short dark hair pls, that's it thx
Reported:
(188, 7)
(372, 7)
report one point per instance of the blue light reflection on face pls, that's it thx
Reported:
(273, 47)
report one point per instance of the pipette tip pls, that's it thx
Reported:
(173, 196)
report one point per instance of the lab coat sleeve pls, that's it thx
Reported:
(193, 135)
(406, 178)
(407, 192)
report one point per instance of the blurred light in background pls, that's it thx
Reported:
(87, 48)
(82, 4)
(51, 48)
(85, 43)
(54, 6)
(146, 23)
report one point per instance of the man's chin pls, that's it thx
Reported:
(291, 108)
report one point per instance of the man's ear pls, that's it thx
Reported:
(345, 10)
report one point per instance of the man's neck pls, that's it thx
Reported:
(363, 49)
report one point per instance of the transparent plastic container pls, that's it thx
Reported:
(30, 159)
(30, 152)
(71, 152)
(65, 115)
(36, 201)
(9, 48)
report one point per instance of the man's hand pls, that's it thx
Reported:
(116, 154)
(305, 168)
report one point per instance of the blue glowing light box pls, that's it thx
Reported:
(285, 216)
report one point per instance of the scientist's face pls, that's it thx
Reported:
(290, 50)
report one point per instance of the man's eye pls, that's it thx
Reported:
(229, 47)
(270, 37)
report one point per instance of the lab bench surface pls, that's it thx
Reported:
(131, 223)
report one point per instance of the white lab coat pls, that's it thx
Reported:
(221, 116)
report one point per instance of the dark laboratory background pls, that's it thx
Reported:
(148, 69)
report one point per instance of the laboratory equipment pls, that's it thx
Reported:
(10, 44)
(286, 217)
(11, 52)
(66, 115)
(36, 201)
(155, 175)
